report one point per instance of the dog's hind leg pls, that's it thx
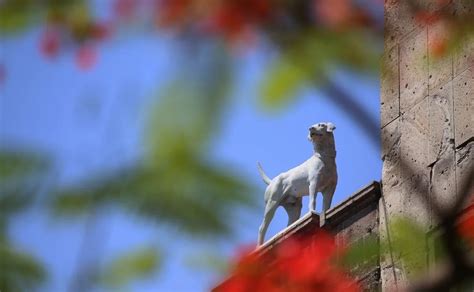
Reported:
(293, 210)
(270, 209)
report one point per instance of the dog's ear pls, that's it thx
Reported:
(330, 127)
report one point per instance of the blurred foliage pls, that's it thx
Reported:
(19, 164)
(176, 182)
(19, 271)
(362, 254)
(311, 58)
(130, 266)
(17, 15)
(410, 243)
(20, 178)
(208, 261)
(196, 203)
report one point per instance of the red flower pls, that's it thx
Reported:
(339, 14)
(294, 265)
(439, 38)
(100, 31)
(426, 17)
(49, 43)
(234, 17)
(333, 13)
(86, 57)
(125, 8)
(438, 47)
(172, 12)
(466, 225)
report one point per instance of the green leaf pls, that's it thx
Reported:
(409, 241)
(310, 58)
(14, 164)
(19, 271)
(194, 197)
(134, 265)
(281, 83)
(208, 261)
(16, 15)
(362, 254)
(20, 175)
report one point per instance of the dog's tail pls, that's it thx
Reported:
(265, 178)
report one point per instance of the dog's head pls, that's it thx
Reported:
(319, 131)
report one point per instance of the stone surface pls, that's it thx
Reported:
(463, 94)
(443, 183)
(464, 164)
(391, 180)
(441, 124)
(392, 278)
(464, 55)
(413, 69)
(390, 92)
(414, 128)
(351, 230)
(390, 135)
(427, 147)
(399, 21)
(414, 171)
(391, 24)
(390, 207)
(440, 64)
(415, 196)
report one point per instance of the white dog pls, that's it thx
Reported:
(317, 174)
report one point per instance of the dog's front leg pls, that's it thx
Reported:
(327, 199)
(312, 196)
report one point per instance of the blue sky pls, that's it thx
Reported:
(93, 121)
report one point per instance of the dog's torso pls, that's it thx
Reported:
(295, 182)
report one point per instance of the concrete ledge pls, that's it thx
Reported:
(366, 196)
(307, 223)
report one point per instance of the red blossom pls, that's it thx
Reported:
(125, 8)
(337, 14)
(86, 57)
(443, 2)
(333, 13)
(294, 265)
(438, 47)
(234, 18)
(439, 38)
(50, 43)
(100, 31)
(426, 17)
(172, 12)
(466, 225)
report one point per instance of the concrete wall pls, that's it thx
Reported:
(427, 122)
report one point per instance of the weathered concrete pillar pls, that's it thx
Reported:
(427, 124)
